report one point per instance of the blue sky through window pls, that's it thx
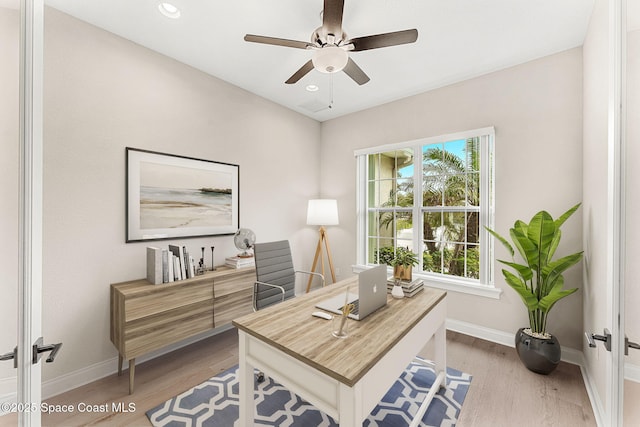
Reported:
(456, 147)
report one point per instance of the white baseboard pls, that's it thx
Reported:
(8, 387)
(79, 378)
(632, 372)
(100, 370)
(487, 334)
(569, 355)
(594, 397)
(94, 372)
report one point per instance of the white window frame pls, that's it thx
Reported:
(484, 286)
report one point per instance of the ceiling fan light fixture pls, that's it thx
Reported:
(330, 59)
(169, 10)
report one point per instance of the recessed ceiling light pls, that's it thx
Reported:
(169, 10)
(312, 88)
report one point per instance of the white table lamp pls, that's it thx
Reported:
(322, 212)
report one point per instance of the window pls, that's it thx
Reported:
(434, 197)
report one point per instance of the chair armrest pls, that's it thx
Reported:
(255, 291)
(311, 273)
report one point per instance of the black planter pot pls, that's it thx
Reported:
(538, 354)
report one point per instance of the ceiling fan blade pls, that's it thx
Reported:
(332, 17)
(355, 72)
(308, 66)
(276, 41)
(384, 40)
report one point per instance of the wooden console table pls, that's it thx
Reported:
(147, 317)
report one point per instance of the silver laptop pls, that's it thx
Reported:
(371, 294)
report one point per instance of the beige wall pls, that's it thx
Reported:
(536, 109)
(102, 94)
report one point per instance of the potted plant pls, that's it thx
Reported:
(539, 282)
(402, 260)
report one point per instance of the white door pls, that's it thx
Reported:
(603, 213)
(631, 233)
(25, 347)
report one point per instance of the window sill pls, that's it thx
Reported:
(448, 285)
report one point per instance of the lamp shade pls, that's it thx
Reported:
(322, 212)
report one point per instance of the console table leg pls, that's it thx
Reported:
(120, 358)
(132, 372)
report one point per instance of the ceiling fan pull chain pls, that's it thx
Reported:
(330, 91)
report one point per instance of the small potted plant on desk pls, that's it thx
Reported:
(539, 282)
(403, 264)
(402, 261)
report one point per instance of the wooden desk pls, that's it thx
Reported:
(345, 378)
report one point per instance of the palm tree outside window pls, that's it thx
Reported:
(433, 197)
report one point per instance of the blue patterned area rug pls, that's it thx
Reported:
(215, 403)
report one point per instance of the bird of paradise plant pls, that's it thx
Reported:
(539, 281)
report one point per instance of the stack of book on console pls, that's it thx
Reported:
(409, 288)
(239, 262)
(169, 265)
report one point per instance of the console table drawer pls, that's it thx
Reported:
(168, 299)
(153, 332)
(228, 307)
(233, 296)
(240, 281)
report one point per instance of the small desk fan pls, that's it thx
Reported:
(244, 239)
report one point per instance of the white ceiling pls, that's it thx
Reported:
(458, 39)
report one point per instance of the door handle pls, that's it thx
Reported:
(606, 338)
(38, 348)
(628, 344)
(13, 355)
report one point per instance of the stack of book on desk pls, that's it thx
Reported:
(239, 262)
(409, 288)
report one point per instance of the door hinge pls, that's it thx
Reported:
(606, 339)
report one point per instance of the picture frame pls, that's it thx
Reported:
(170, 196)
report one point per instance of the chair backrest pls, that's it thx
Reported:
(274, 265)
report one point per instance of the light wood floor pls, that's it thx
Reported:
(502, 392)
(631, 416)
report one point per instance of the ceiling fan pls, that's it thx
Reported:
(331, 45)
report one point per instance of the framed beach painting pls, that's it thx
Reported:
(170, 196)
